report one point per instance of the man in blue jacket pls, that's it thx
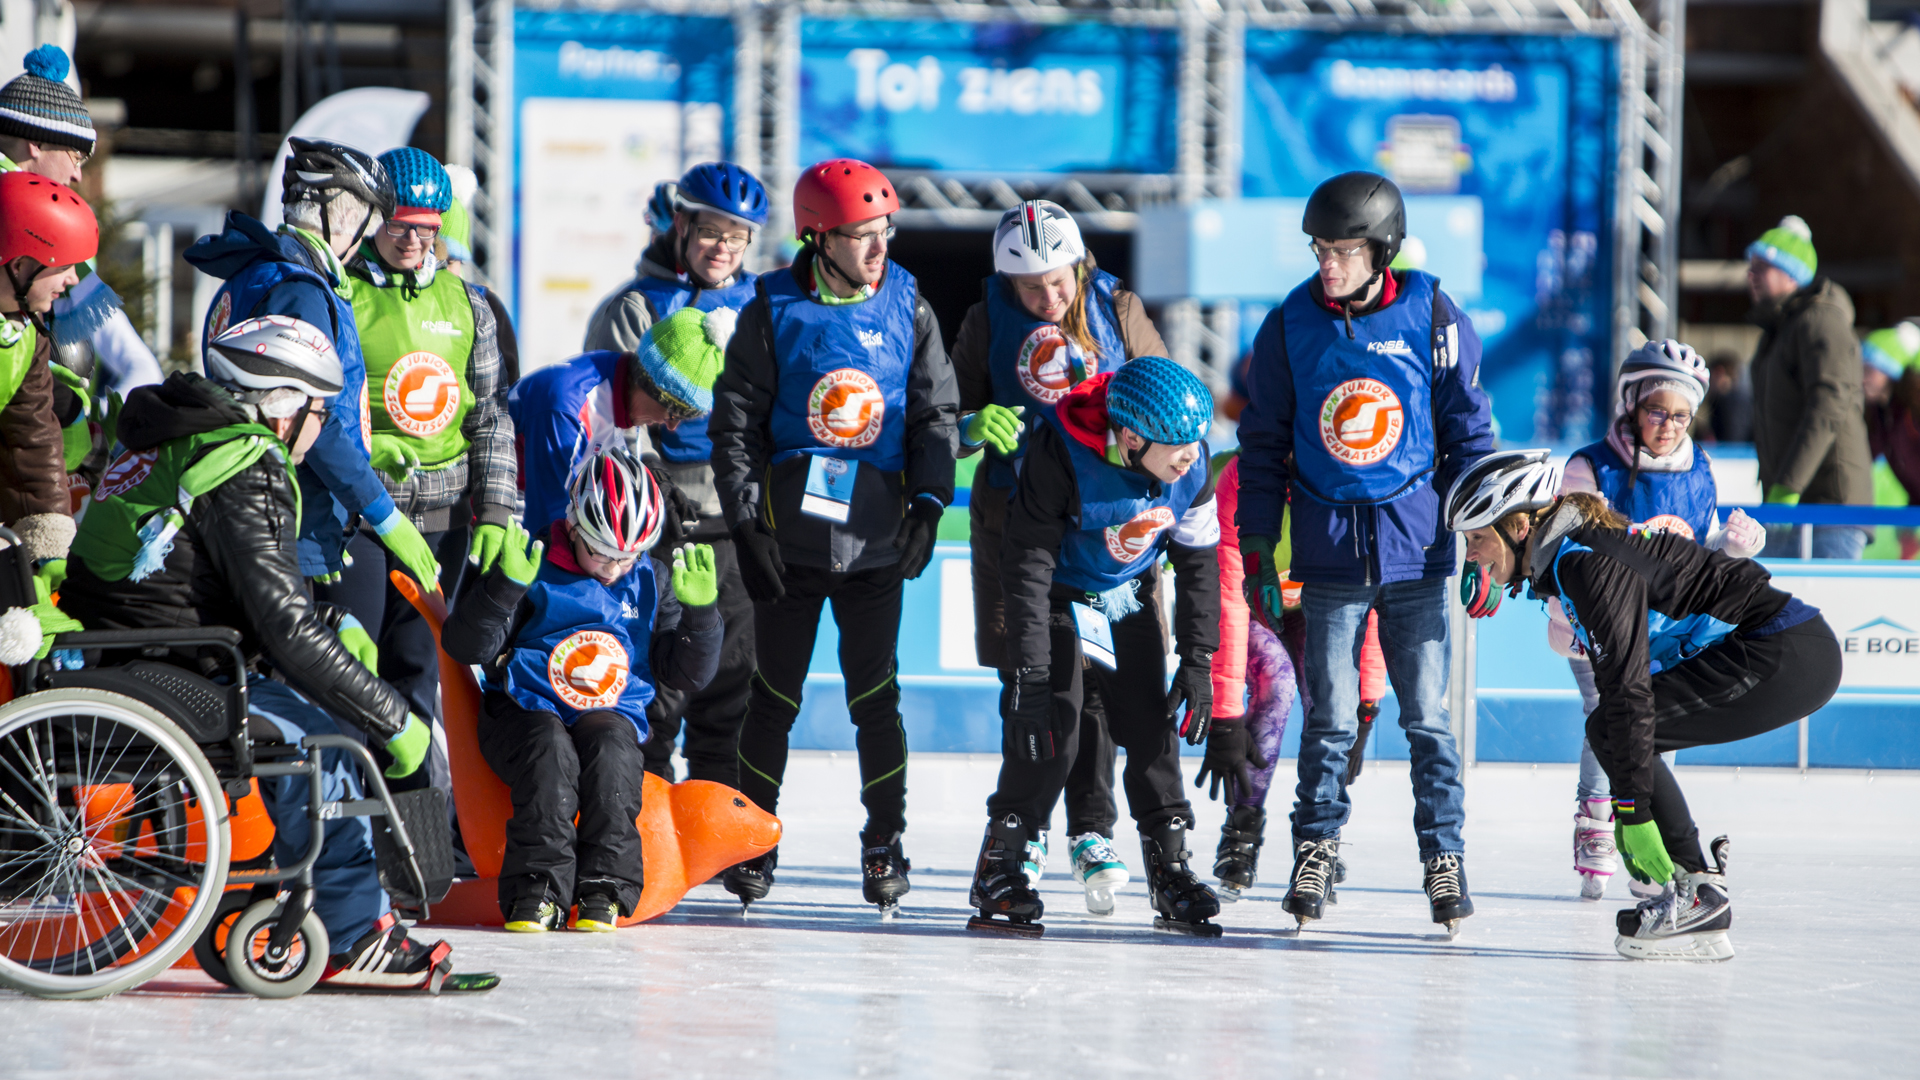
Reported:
(330, 193)
(1365, 405)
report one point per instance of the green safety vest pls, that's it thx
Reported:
(417, 345)
(145, 497)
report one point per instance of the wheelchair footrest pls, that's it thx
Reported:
(424, 812)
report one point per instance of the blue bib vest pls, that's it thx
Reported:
(242, 298)
(688, 441)
(1670, 641)
(585, 646)
(1032, 363)
(843, 371)
(1363, 406)
(1679, 502)
(1124, 523)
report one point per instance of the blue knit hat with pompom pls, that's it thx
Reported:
(39, 106)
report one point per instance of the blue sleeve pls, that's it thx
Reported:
(547, 433)
(339, 459)
(1266, 432)
(1464, 415)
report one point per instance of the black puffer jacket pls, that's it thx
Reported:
(233, 564)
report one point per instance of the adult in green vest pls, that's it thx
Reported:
(442, 439)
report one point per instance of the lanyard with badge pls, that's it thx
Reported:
(829, 493)
(1096, 634)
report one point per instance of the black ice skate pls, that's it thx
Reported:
(751, 880)
(1314, 862)
(1237, 861)
(1176, 893)
(1688, 921)
(1446, 886)
(883, 873)
(1008, 903)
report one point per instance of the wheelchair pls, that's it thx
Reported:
(119, 782)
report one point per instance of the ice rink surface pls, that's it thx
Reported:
(1825, 882)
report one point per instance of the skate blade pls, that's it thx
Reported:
(1189, 929)
(1228, 894)
(478, 982)
(987, 924)
(1453, 928)
(888, 910)
(1100, 902)
(1593, 886)
(1710, 946)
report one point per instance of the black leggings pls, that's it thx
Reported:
(1735, 690)
(714, 713)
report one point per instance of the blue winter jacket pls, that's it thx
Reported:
(1404, 537)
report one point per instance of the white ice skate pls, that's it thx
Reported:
(1594, 857)
(1035, 864)
(1689, 920)
(1098, 869)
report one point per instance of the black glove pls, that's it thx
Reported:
(918, 530)
(760, 567)
(1232, 757)
(1357, 756)
(1193, 685)
(682, 515)
(1026, 712)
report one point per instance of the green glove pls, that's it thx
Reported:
(354, 636)
(52, 619)
(1262, 581)
(395, 456)
(1783, 495)
(54, 573)
(695, 581)
(997, 426)
(1644, 851)
(484, 550)
(409, 748)
(407, 545)
(515, 560)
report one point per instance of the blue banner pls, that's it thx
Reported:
(618, 54)
(1516, 133)
(996, 97)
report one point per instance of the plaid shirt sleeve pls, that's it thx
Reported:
(489, 429)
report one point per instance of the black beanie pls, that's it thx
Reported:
(40, 107)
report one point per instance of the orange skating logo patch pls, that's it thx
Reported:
(422, 394)
(1665, 523)
(222, 315)
(846, 409)
(1129, 541)
(588, 670)
(127, 472)
(1045, 365)
(1361, 421)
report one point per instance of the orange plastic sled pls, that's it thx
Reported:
(689, 831)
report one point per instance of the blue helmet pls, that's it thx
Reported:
(1160, 401)
(419, 180)
(660, 208)
(724, 188)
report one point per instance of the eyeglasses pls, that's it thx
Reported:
(398, 229)
(1659, 417)
(734, 242)
(611, 560)
(867, 239)
(1323, 252)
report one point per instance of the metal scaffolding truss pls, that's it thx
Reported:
(480, 125)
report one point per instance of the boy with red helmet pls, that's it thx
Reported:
(833, 445)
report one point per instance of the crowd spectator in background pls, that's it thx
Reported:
(1890, 378)
(1808, 430)
(1727, 414)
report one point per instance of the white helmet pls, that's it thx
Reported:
(1499, 484)
(275, 352)
(1666, 361)
(614, 505)
(1035, 237)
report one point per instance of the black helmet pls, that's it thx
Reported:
(1358, 206)
(318, 169)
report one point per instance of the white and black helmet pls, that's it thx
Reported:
(614, 505)
(1502, 483)
(275, 352)
(1666, 361)
(1035, 237)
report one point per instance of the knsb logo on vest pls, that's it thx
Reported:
(222, 315)
(1049, 365)
(422, 394)
(846, 409)
(1665, 523)
(127, 472)
(588, 670)
(1135, 538)
(1360, 422)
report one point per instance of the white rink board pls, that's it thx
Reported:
(1877, 620)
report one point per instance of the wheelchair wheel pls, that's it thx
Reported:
(288, 975)
(113, 843)
(210, 948)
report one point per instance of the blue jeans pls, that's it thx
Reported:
(346, 882)
(1413, 639)
(1829, 542)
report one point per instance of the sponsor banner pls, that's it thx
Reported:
(988, 97)
(1876, 618)
(1507, 142)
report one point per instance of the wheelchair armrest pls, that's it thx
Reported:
(122, 639)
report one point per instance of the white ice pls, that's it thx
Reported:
(1825, 881)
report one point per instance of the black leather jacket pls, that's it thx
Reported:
(233, 564)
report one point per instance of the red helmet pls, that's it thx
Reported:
(838, 192)
(45, 222)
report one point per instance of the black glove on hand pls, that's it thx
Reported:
(918, 530)
(682, 515)
(1368, 712)
(1026, 712)
(1232, 757)
(760, 567)
(1193, 685)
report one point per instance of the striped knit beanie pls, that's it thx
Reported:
(1893, 350)
(681, 356)
(39, 106)
(1789, 246)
